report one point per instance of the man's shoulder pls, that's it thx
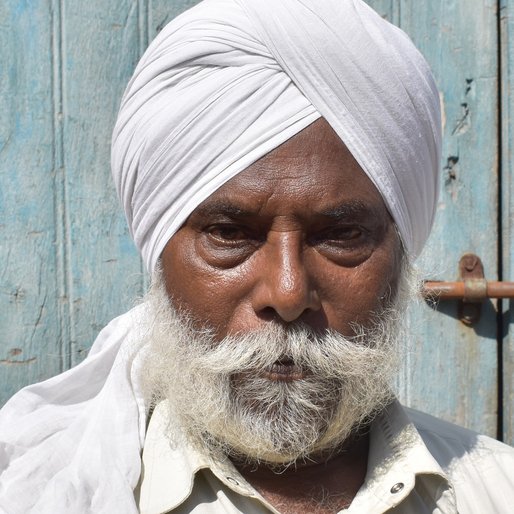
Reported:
(480, 469)
(457, 448)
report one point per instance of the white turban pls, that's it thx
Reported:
(230, 80)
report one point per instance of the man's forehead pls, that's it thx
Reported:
(313, 173)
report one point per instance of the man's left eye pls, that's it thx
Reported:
(339, 235)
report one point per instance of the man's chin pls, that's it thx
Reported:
(273, 436)
(281, 454)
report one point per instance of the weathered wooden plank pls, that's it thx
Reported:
(101, 47)
(507, 186)
(452, 369)
(30, 323)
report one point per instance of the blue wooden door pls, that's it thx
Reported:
(453, 369)
(68, 265)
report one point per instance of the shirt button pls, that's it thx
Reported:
(396, 488)
(232, 480)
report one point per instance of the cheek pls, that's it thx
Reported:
(212, 297)
(352, 295)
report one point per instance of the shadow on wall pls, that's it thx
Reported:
(483, 313)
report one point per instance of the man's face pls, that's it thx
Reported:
(292, 267)
(300, 235)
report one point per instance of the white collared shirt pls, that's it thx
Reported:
(417, 464)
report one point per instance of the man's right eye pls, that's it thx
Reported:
(230, 233)
(226, 245)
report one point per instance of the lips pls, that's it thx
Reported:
(284, 370)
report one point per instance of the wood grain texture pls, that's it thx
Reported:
(101, 46)
(388, 9)
(160, 12)
(30, 293)
(507, 187)
(451, 370)
(458, 364)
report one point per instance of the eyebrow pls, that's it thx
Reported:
(224, 208)
(350, 209)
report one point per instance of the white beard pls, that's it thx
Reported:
(221, 401)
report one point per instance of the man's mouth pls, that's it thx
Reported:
(284, 370)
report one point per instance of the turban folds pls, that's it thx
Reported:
(230, 80)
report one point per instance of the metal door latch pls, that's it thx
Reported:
(471, 289)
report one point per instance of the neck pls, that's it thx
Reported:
(321, 484)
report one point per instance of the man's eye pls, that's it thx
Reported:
(229, 233)
(340, 235)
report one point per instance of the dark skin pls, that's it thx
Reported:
(300, 235)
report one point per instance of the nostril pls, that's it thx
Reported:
(269, 314)
(314, 318)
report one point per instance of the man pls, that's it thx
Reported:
(277, 163)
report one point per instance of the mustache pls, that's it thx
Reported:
(324, 353)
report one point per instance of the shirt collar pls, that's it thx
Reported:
(164, 459)
(397, 455)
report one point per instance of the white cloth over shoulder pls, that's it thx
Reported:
(71, 444)
(230, 80)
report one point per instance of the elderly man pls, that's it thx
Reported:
(277, 163)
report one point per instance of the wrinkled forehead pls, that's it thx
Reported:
(310, 174)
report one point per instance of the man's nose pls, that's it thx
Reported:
(285, 289)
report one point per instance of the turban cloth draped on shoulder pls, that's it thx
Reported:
(230, 80)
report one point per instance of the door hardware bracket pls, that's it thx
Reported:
(471, 273)
(471, 289)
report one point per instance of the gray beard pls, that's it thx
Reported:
(221, 401)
